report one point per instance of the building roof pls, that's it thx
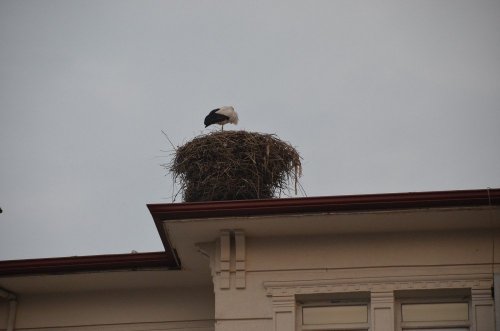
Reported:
(73, 264)
(246, 208)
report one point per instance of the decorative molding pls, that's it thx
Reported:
(230, 260)
(482, 297)
(284, 303)
(225, 259)
(378, 284)
(382, 298)
(283, 295)
(240, 259)
(206, 325)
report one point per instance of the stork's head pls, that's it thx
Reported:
(233, 117)
(230, 113)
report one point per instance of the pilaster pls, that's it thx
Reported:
(382, 310)
(483, 310)
(284, 308)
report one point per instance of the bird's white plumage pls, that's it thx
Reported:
(230, 113)
(221, 116)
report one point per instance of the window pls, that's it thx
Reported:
(339, 312)
(434, 311)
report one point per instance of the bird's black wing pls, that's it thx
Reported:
(213, 118)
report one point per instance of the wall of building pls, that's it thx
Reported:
(278, 270)
(139, 309)
(369, 250)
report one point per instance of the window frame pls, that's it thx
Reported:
(402, 326)
(334, 326)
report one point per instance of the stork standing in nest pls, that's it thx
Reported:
(221, 116)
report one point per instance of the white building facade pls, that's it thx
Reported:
(386, 262)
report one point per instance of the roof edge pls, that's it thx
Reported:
(89, 263)
(341, 203)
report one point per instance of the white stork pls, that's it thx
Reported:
(221, 116)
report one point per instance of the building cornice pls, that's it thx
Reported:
(327, 204)
(342, 203)
(90, 263)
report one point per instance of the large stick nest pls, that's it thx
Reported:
(235, 165)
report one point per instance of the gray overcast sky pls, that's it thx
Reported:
(377, 96)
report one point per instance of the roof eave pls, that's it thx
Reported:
(91, 263)
(343, 203)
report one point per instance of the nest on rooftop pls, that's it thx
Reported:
(235, 165)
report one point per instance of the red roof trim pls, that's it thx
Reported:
(91, 263)
(165, 212)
